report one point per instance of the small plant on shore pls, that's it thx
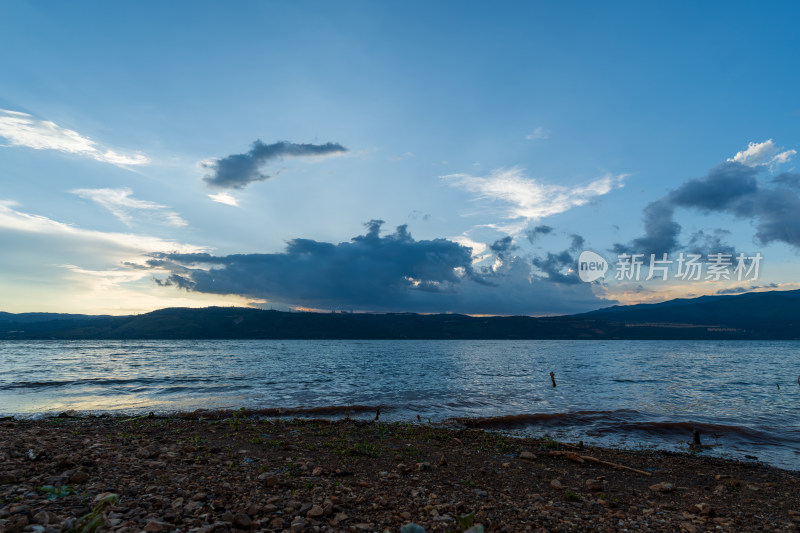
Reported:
(97, 518)
(550, 444)
(236, 420)
(570, 496)
(468, 482)
(54, 493)
(466, 524)
(608, 498)
(365, 449)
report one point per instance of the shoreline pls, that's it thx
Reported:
(227, 471)
(676, 435)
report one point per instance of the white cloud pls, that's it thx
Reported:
(120, 203)
(224, 198)
(539, 134)
(529, 199)
(478, 248)
(67, 235)
(762, 154)
(22, 129)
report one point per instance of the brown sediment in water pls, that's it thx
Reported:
(243, 472)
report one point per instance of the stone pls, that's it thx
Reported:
(241, 521)
(78, 477)
(595, 485)
(340, 517)
(269, 479)
(45, 517)
(662, 487)
(705, 509)
(153, 527)
(276, 523)
(192, 507)
(527, 456)
(315, 512)
(556, 484)
(298, 524)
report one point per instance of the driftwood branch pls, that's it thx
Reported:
(615, 465)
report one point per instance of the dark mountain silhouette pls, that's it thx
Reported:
(762, 315)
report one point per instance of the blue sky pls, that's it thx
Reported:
(196, 153)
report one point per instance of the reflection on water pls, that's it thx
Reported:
(641, 392)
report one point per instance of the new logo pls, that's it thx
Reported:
(591, 266)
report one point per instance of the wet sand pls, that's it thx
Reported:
(230, 472)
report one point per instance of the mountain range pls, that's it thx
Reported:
(756, 315)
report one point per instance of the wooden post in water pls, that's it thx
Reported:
(696, 437)
(553, 378)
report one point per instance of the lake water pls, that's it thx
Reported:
(630, 393)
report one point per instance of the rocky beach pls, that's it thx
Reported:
(237, 471)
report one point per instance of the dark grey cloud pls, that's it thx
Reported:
(375, 272)
(724, 188)
(788, 179)
(741, 290)
(532, 234)
(560, 267)
(731, 188)
(704, 243)
(238, 170)
(661, 231)
(503, 246)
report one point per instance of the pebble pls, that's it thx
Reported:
(662, 487)
(315, 512)
(242, 521)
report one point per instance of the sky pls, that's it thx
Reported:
(445, 157)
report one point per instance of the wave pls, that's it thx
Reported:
(325, 410)
(625, 423)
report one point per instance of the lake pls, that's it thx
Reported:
(744, 397)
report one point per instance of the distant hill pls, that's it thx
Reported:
(763, 315)
(772, 313)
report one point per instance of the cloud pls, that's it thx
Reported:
(503, 246)
(122, 205)
(538, 134)
(559, 267)
(762, 154)
(704, 242)
(789, 179)
(661, 231)
(734, 188)
(533, 234)
(79, 239)
(528, 199)
(377, 272)
(22, 129)
(224, 198)
(748, 288)
(238, 170)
